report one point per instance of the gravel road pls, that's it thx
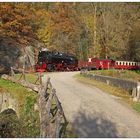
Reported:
(93, 112)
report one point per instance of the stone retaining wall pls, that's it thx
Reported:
(132, 87)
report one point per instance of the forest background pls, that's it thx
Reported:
(103, 30)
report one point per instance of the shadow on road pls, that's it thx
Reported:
(94, 127)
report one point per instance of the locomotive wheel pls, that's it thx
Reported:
(100, 68)
(50, 67)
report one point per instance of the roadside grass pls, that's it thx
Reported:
(29, 77)
(29, 118)
(123, 94)
(136, 106)
(124, 74)
(138, 72)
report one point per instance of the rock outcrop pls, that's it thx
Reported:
(14, 54)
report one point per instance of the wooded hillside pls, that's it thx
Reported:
(85, 29)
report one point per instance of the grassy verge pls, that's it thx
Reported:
(123, 74)
(29, 77)
(136, 106)
(29, 119)
(123, 94)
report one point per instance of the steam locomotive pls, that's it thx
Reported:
(59, 61)
(56, 61)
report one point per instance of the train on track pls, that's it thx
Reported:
(95, 63)
(58, 61)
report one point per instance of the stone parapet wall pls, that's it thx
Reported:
(127, 85)
(132, 87)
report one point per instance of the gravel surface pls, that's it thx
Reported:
(93, 112)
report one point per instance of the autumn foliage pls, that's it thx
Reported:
(105, 30)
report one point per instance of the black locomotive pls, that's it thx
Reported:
(56, 61)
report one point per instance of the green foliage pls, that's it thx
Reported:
(28, 105)
(136, 106)
(28, 117)
(138, 72)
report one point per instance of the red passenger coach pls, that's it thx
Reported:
(95, 63)
(103, 63)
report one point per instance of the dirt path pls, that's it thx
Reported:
(93, 112)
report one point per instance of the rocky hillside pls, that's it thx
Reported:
(13, 54)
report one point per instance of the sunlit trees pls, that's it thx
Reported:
(104, 30)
